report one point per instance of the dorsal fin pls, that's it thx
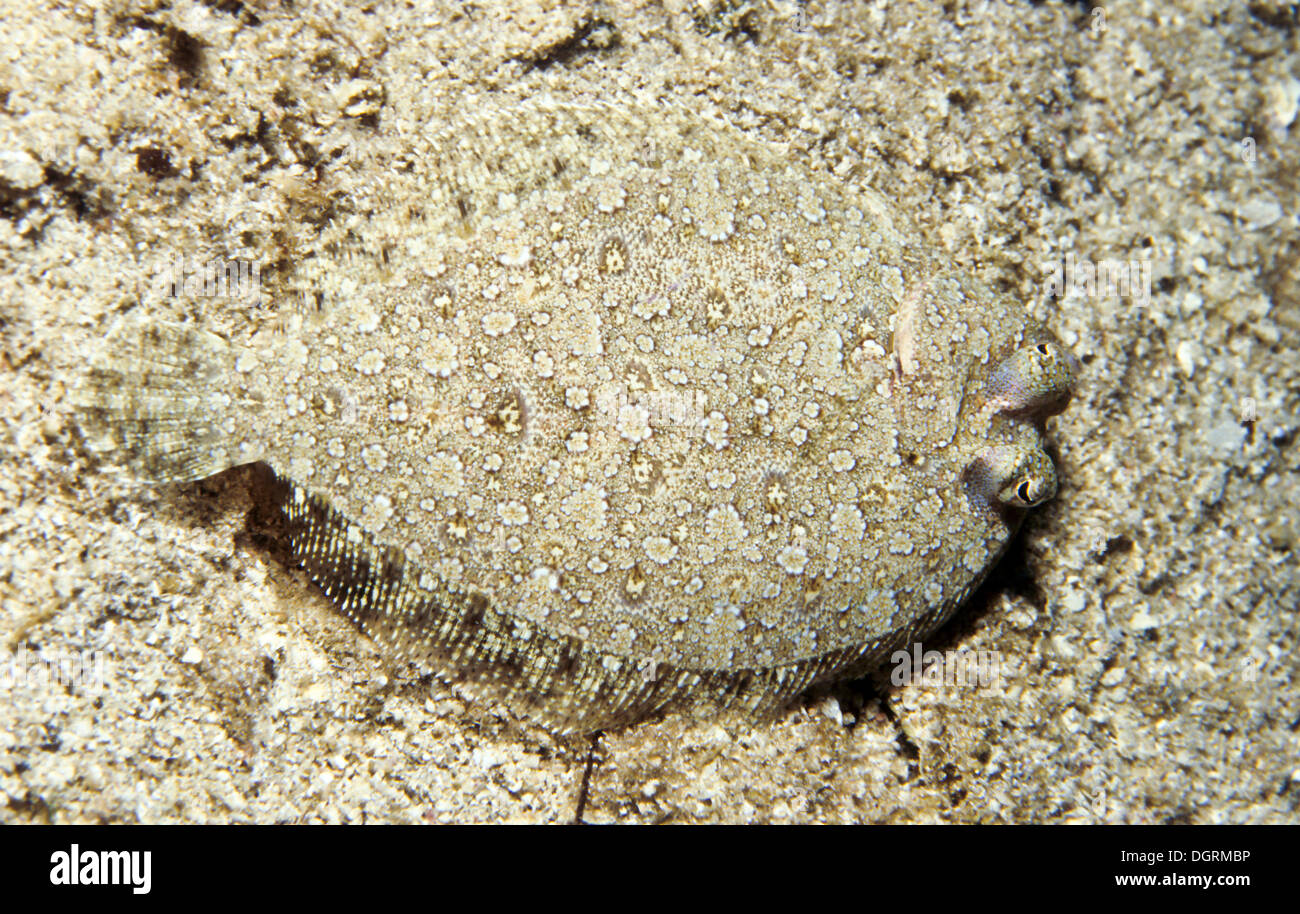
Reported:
(567, 684)
(498, 157)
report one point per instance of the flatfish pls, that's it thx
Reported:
(666, 417)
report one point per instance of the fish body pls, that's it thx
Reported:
(666, 417)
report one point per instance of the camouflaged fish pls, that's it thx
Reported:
(666, 417)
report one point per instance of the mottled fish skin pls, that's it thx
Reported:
(669, 417)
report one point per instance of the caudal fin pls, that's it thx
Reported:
(160, 403)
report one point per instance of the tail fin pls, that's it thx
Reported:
(163, 403)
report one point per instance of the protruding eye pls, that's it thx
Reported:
(1028, 491)
(1035, 379)
(1015, 476)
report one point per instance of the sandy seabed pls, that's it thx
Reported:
(1145, 620)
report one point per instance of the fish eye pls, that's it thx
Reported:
(1014, 476)
(1027, 491)
(1033, 380)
